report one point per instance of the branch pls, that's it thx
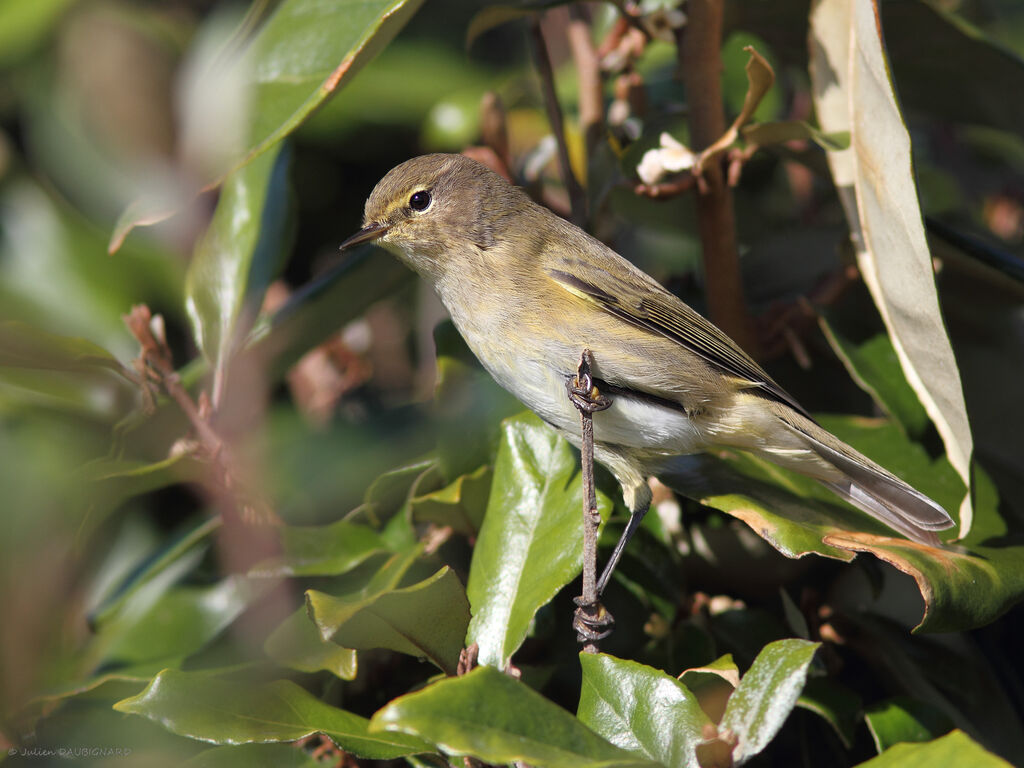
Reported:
(701, 63)
(577, 197)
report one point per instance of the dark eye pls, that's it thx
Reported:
(420, 201)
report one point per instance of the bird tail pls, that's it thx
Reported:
(865, 484)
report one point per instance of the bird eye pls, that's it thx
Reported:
(420, 201)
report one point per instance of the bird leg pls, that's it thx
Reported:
(591, 621)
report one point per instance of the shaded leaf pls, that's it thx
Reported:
(903, 719)
(713, 684)
(955, 750)
(838, 705)
(766, 695)
(874, 178)
(296, 643)
(167, 567)
(640, 709)
(460, 504)
(764, 134)
(202, 707)
(530, 545)
(498, 719)
(875, 367)
(427, 619)
(237, 257)
(321, 550)
(253, 756)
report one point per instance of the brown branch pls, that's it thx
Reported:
(701, 63)
(577, 197)
(156, 367)
(588, 73)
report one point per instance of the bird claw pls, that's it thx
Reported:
(581, 390)
(592, 621)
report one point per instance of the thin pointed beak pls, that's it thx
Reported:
(365, 235)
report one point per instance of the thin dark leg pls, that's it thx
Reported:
(592, 622)
(635, 518)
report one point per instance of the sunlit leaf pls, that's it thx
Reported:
(905, 720)
(766, 695)
(531, 544)
(955, 750)
(491, 716)
(460, 504)
(875, 181)
(764, 134)
(640, 709)
(202, 707)
(237, 257)
(321, 550)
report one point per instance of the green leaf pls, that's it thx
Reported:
(764, 134)
(427, 619)
(713, 684)
(838, 705)
(955, 750)
(928, 47)
(319, 308)
(321, 550)
(876, 369)
(903, 719)
(237, 257)
(180, 622)
(166, 567)
(640, 709)
(253, 756)
(530, 545)
(460, 504)
(766, 695)
(23, 346)
(300, 56)
(24, 25)
(202, 707)
(297, 644)
(498, 719)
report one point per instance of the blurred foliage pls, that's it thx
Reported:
(288, 573)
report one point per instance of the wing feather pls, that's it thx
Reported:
(660, 312)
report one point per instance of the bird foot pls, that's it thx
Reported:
(581, 390)
(592, 621)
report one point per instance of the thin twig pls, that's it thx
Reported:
(577, 197)
(592, 621)
(701, 63)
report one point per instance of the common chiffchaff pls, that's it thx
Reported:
(529, 291)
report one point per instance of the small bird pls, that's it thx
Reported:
(529, 291)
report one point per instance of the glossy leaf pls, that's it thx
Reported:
(460, 504)
(905, 720)
(640, 709)
(498, 719)
(530, 545)
(875, 367)
(201, 707)
(766, 695)
(296, 643)
(875, 181)
(427, 619)
(237, 257)
(321, 550)
(955, 750)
